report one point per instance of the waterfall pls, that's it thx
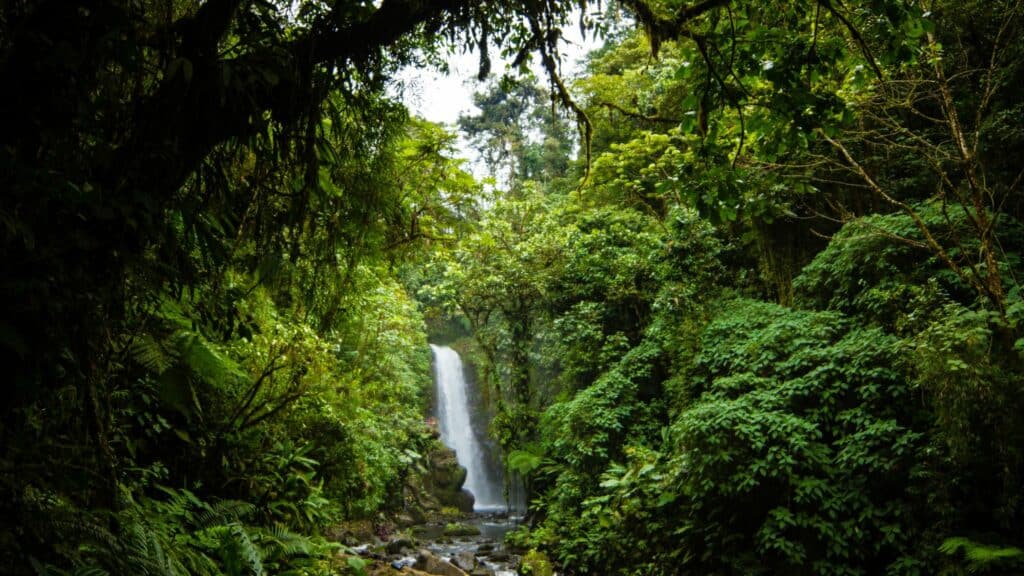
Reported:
(459, 433)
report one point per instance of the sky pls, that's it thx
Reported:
(443, 98)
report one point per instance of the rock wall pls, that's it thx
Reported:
(434, 490)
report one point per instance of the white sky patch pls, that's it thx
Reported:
(442, 98)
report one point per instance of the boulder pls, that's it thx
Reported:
(401, 545)
(427, 562)
(436, 486)
(445, 473)
(465, 560)
(463, 500)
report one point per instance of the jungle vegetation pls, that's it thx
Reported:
(745, 293)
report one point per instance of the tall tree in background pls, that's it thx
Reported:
(521, 130)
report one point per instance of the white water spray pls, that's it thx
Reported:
(457, 429)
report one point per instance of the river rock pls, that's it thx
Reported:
(427, 562)
(499, 556)
(465, 560)
(401, 546)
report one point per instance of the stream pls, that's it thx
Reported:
(487, 548)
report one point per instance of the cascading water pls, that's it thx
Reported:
(458, 432)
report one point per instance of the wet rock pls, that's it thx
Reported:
(464, 501)
(465, 560)
(482, 571)
(389, 570)
(401, 545)
(485, 548)
(436, 486)
(499, 556)
(427, 562)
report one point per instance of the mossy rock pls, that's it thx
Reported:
(401, 544)
(438, 485)
(458, 529)
(451, 512)
(536, 563)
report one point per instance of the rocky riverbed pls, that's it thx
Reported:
(473, 546)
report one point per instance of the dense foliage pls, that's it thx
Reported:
(759, 314)
(211, 357)
(775, 326)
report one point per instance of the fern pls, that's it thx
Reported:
(141, 552)
(282, 543)
(204, 360)
(153, 355)
(524, 462)
(239, 554)
(982, 556)
(171, 536)
(224, 512)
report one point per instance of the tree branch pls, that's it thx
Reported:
(659, 28)
(857, 37)
(932, 243)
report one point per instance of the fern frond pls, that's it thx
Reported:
(224, 512)
(79, 528)
(170, 310)
(198, 564)
(981, 556)
(284, 543)
(238, 552)
(152, 355)
(204, 360)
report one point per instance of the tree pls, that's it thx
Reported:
(944, 108)
(518, 132)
